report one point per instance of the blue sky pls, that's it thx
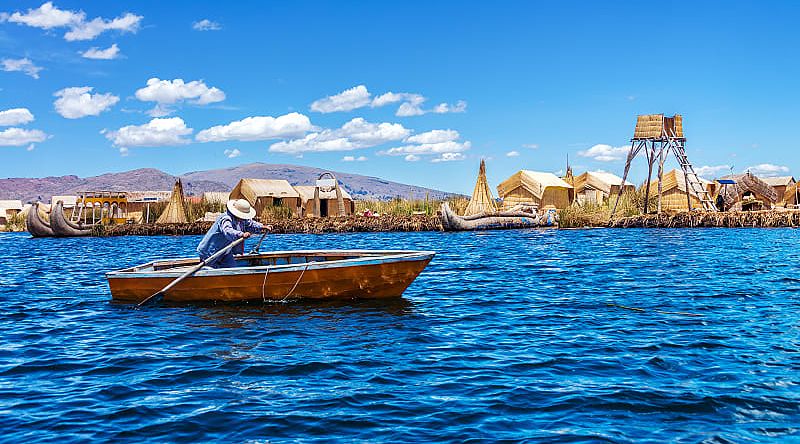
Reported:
(522, 84)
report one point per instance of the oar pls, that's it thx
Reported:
(158, 296)
(258, 245)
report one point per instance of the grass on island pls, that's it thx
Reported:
(408, 207)
(595, 215)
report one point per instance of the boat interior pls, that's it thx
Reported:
(267, 259)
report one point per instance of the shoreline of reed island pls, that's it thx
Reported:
(308, 225)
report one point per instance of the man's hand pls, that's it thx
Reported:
(245, 235)
(267, 227)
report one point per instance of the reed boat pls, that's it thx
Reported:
(35, 225)
(62, 227)
(493, 221)
(277, 276)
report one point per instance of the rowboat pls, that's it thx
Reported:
(277, 276)
(35, 225)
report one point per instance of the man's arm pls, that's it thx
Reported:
(231, 234)
(253, 226)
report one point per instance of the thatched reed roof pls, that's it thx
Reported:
(307, 193)
(15, 205)
(598, 180)
(482, 200)
(675, 179)
(69, 201)
(252, 189)
(535, 182)
(778, 181)
(175, 212)
(744, 183)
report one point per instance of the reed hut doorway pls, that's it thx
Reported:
(323, 207)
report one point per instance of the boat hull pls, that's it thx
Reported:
(64, 228)
(369, 278)
(35, 225)
(501, 221)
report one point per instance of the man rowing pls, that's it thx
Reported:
(236, 222)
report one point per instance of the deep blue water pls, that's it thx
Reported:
(506, 335)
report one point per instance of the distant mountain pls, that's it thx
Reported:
(198, 182)
(360, 187)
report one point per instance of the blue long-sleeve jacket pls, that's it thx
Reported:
(226, 229)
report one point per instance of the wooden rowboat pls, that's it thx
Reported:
(277, 276)
(62, 227)
(35, 225)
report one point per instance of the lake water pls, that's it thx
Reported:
(506, 335)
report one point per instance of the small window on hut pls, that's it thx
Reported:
(277, 202)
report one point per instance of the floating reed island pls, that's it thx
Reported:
(708, 219)
(336, 224)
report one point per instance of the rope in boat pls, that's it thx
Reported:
(264, 284)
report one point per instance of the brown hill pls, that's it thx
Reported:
(198, 182)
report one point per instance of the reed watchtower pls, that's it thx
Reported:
(658, 135)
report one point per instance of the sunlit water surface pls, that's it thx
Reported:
(506, 335)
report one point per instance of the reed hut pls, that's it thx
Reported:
(747, 193)
(780, 184)
(527, 187)
(674, 191)
(176, 210)
(265, 193)
(328, 202)
(482, 200)
(791, 198)
(9, 209)
(596, 186)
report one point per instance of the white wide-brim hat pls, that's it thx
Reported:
(241, 209)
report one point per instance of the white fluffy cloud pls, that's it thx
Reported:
(355, 134)
(157, 132)
(170, 92)
(709, 172)
(767, 169)
(346, 100)
(24, 65)
(48, 16)
(91, 29)
(354, 159)
(605, 153)
(451, 146)
(359, 97)
(110, 53)
(232, 154)
(15, 116)
(443, 143)
(206, 25)
(20, 137)
(77, 102)
(258, 128)
(512, 154)
(449, 157)
(434, 136)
